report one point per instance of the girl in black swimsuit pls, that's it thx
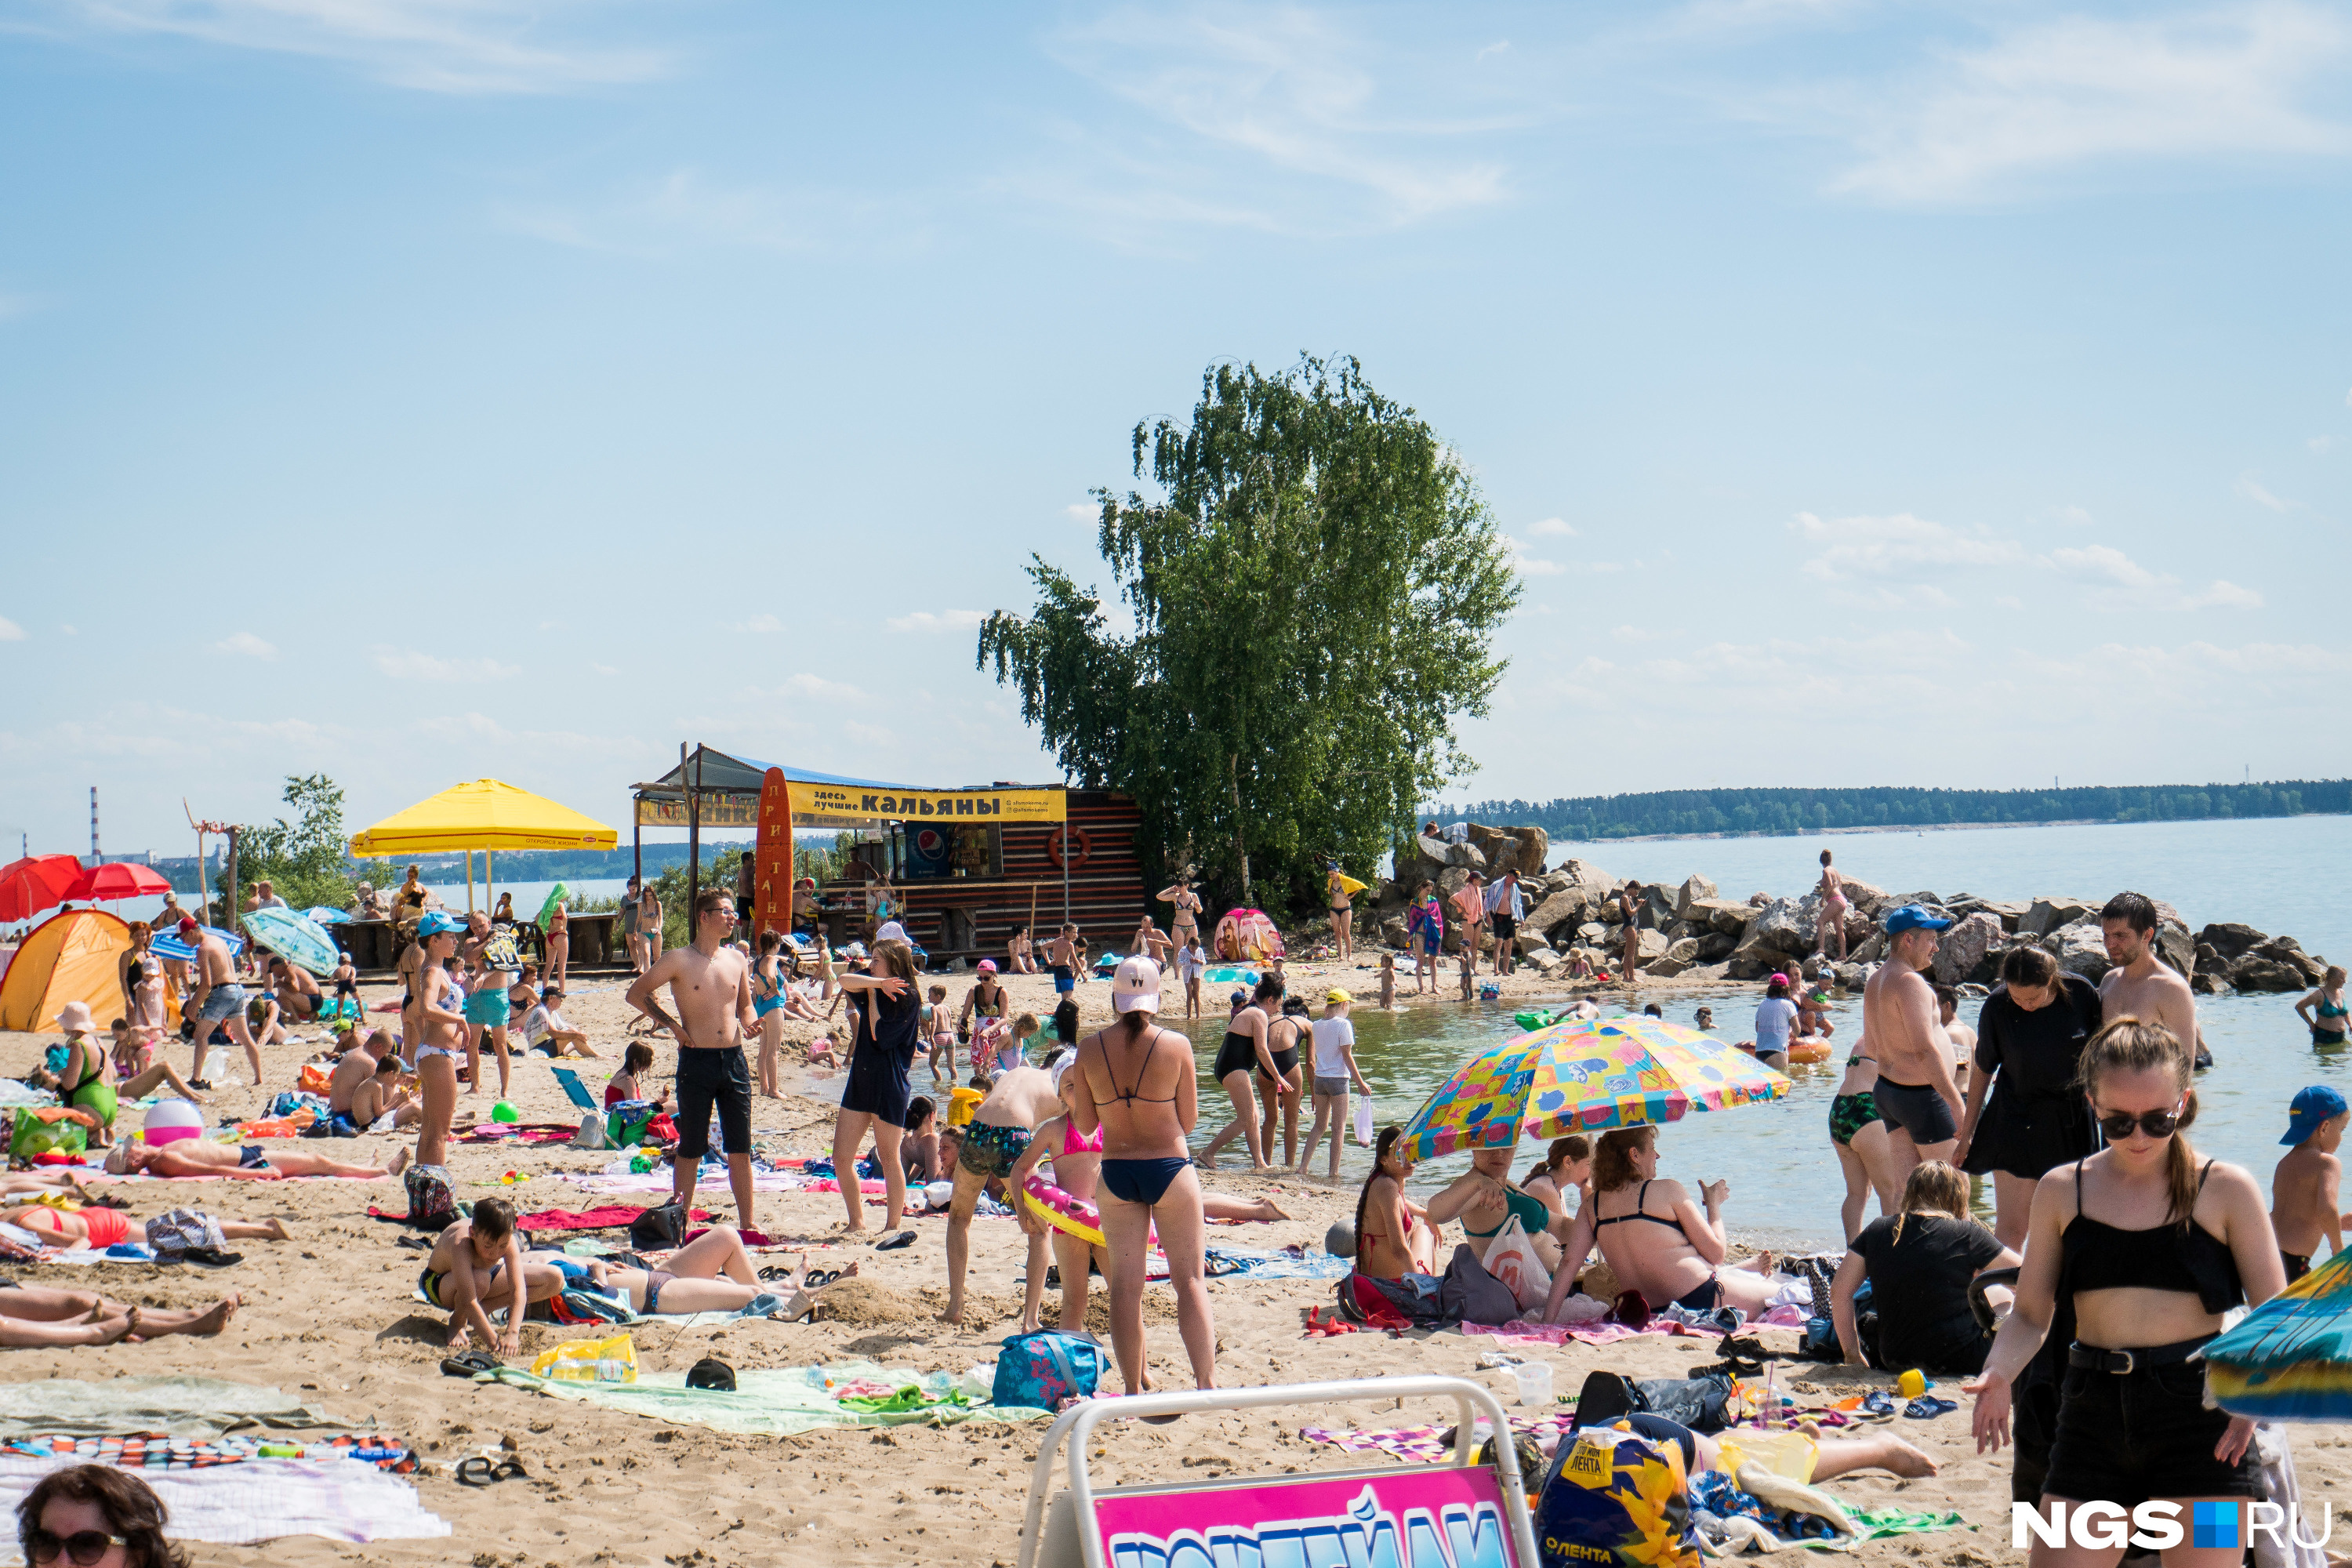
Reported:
(2132, 1255)
(1282, 1039)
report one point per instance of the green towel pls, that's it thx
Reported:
(1877, 1523)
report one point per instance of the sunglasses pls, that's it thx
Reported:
(2155, 1123)
(84, 1546)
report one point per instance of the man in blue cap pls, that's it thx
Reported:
(1900, 1020)
(2303, 1188)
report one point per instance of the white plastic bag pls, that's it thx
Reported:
(1513, 1262)
(1363, 1122)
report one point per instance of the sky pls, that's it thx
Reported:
(423, 390)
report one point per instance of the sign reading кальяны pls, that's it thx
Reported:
(849, 802)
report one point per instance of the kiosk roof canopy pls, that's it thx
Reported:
(722, 773)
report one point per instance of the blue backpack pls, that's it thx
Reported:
(1037, 1372)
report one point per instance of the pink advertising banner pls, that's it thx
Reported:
(1432, 1518)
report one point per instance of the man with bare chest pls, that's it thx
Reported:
(710, 986)
(1915, 1092)
(2141, 985)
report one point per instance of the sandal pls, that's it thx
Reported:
(480, 1471)
(1928, 1406)
(775, 1273)
(818, 1279)
(904, 1238)
(469, 1364)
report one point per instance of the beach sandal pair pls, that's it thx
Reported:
(468, 1364)
(1876, 1405)
(1928, 1406)
(480, 1471)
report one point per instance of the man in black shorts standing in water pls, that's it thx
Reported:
(1915, 1092)
(710, 986)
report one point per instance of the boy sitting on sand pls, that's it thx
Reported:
(382, 1093)
(465, 1268)
(2303, 1188)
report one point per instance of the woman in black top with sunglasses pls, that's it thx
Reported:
(95, 1516)
(2132, 1255)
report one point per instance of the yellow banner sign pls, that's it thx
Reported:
(849, 804)
(717, 811)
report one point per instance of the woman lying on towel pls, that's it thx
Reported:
(712, 1273)
(101, 1228)
(249, 1162)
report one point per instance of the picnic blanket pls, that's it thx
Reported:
(610, 1217)
(1525, 1334)
(1284, 1263)
(182, 1406)
(518, 1131)
(148, 1451)
(263, 1500)
(1427, 1445)
(783, 1400)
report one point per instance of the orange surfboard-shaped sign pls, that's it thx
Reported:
(773, 895)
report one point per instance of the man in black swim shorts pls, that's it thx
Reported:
(1915, 1093)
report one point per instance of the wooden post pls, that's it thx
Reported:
(693, 832)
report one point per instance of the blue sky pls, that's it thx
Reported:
(425, 389)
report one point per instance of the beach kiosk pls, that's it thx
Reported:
(963, 868)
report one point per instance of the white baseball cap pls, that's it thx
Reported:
(1136, 987)
(892, 932)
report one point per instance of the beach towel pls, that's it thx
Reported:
(203, 1407)
(775, 1402)
(161, 1451)
(611, 1216)
(1287, 1263)
(1428, 1444)
(264, 1500)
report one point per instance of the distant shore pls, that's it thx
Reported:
(1886, 828)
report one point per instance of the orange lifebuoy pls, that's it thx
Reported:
(1058, 847)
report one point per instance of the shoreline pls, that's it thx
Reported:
(1901, 827)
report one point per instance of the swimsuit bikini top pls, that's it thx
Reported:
(1073, 1142)
(774, 987)
(2096, 1255)
(2325, 1011)
(1130, 1096)
(1675, 1225)
(1532, 1214)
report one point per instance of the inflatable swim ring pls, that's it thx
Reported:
(1807, 1051)
(1063, 1212)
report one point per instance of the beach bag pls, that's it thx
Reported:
(590, 1361)
(1702, 1402)
(1513, 1262)
(1615, 1497)
(1038, 1371)
(46, 1129)
(432, 1196)
(499, 952)
(176, 1232)
(1363, 1115)
(659, 1230)
(592, 1132)
(1471, 1295)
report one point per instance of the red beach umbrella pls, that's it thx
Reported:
(118, 880)
(35, 883)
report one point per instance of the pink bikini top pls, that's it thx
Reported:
(1074, 1143)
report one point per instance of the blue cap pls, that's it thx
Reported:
(2312, 1106)
(1915, 917)
(437, 921)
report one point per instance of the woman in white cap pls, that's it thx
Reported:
(1335, 1065)
(1136, 1082)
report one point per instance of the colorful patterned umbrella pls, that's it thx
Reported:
(1586, 1076)
(2290, 1358)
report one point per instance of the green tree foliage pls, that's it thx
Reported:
(1812, 810)
(1315, 592)
(305, 859)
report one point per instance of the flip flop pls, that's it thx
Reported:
(467, 1363)
(1928, 1406)
(1876, 1406)
(775, 1273)
(904, 1238)
(479, 1471)
(818, 1279)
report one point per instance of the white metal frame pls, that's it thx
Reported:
(1074, 1426)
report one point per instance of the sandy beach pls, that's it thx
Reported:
(330, 1315)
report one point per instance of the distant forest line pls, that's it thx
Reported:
(1797, 811)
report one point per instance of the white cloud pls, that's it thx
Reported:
(1350, 135)
(688, 209)
(70, 630)
(1897, 546)
(2074, 90)
(938, 621)
(758, 624)
(605, 669)
(1084, 511)
(2254, 492)
(410, 664)
(1552, 526)
(2123, 584)
(2079, 516)
(2010, 602)
(10, 631)
(246, 643)
(1531, 566)
(2320, 443)
(467, 46)
(817, 686)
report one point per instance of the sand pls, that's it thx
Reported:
(330, 1314)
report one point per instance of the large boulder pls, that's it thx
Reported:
(2254, 973)
(1592, 933)
(1561, 908)
(2080, 950)
(1716, 946)
(2288, 950)
(2046, 915)
(1394, 933)
(1539, 955)
(2212, 982)
(2174, 946)
(1695, 891)
(1871, 949)
(2230, 940)
(1724, 915)
(1535, 849)
(1782, 926)
(2010, 911)
(1450, 881)
(1962, 950)
(1584, 873)
(1666, 968)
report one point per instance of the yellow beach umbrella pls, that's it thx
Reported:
(488, 815)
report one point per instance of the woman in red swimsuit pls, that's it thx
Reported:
(1394, 1236)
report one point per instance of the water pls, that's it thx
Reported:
(1786, 1184)
(2283, 876)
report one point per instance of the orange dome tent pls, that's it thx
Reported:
(1247, 934)
(76, 956)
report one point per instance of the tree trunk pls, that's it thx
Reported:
(1241, 837)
